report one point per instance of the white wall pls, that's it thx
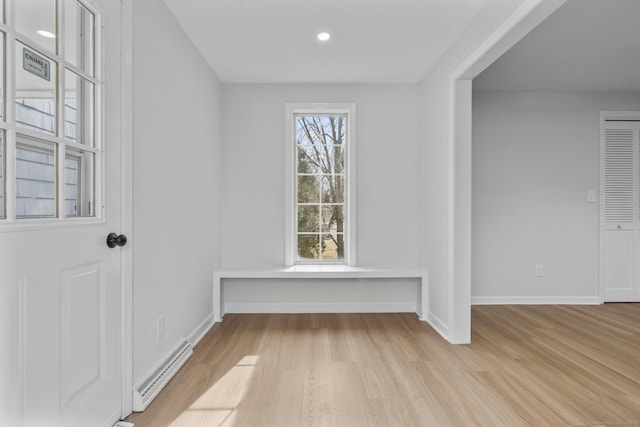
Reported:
(254, 179)
(535, 156)
(434, 156)
(176, 183)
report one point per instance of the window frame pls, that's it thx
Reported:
(291, 247)
(15, 133)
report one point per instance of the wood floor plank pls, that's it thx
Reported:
(526, 366)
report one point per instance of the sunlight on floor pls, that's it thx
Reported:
(217, 406)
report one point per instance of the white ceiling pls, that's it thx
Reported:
(586, 45)
(274, 41)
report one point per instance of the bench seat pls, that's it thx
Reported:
(321, 272)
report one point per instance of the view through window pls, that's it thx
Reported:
(321, 142)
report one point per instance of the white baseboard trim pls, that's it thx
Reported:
(437, 324)
(576, 300)
(196, 335)
(321, 307)
(112, 420)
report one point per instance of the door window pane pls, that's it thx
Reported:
(35, 90)
(36, 19)
(79, 36)
(79, 172)
(78, 109)
(35, 179)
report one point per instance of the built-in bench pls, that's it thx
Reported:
(321, 272)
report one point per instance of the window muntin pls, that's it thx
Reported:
(54, 92)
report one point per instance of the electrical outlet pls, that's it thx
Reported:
(539, 270)
(160, 327)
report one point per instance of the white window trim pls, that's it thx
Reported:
(290, 172)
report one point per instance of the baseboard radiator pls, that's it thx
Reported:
(149, 389)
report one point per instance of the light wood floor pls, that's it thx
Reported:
(526, 366)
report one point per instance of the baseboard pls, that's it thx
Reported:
(437, 324)
(576, 300)
(196, 335)
(112, 420)
(441, 327)
(328, 307)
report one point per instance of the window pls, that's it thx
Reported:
(321, 167)
(50, 150)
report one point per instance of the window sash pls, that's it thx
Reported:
(74, 106)
(325, 237)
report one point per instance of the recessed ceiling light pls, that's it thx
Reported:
(323, 37)
(47, 34)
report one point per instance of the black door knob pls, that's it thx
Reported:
(114, 240)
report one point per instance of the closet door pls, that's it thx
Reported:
(620, 211)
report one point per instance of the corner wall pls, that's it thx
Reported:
(177, 184)
(254, 191)
(436, 158)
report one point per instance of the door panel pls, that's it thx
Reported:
(82, 330)
(10, 354)
(60, 285)
(619, 265)
(620, 211)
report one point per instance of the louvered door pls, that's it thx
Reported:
(620, 211)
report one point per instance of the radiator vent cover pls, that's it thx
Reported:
(149, 389)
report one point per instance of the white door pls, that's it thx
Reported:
(61, 184)
(620, 211)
